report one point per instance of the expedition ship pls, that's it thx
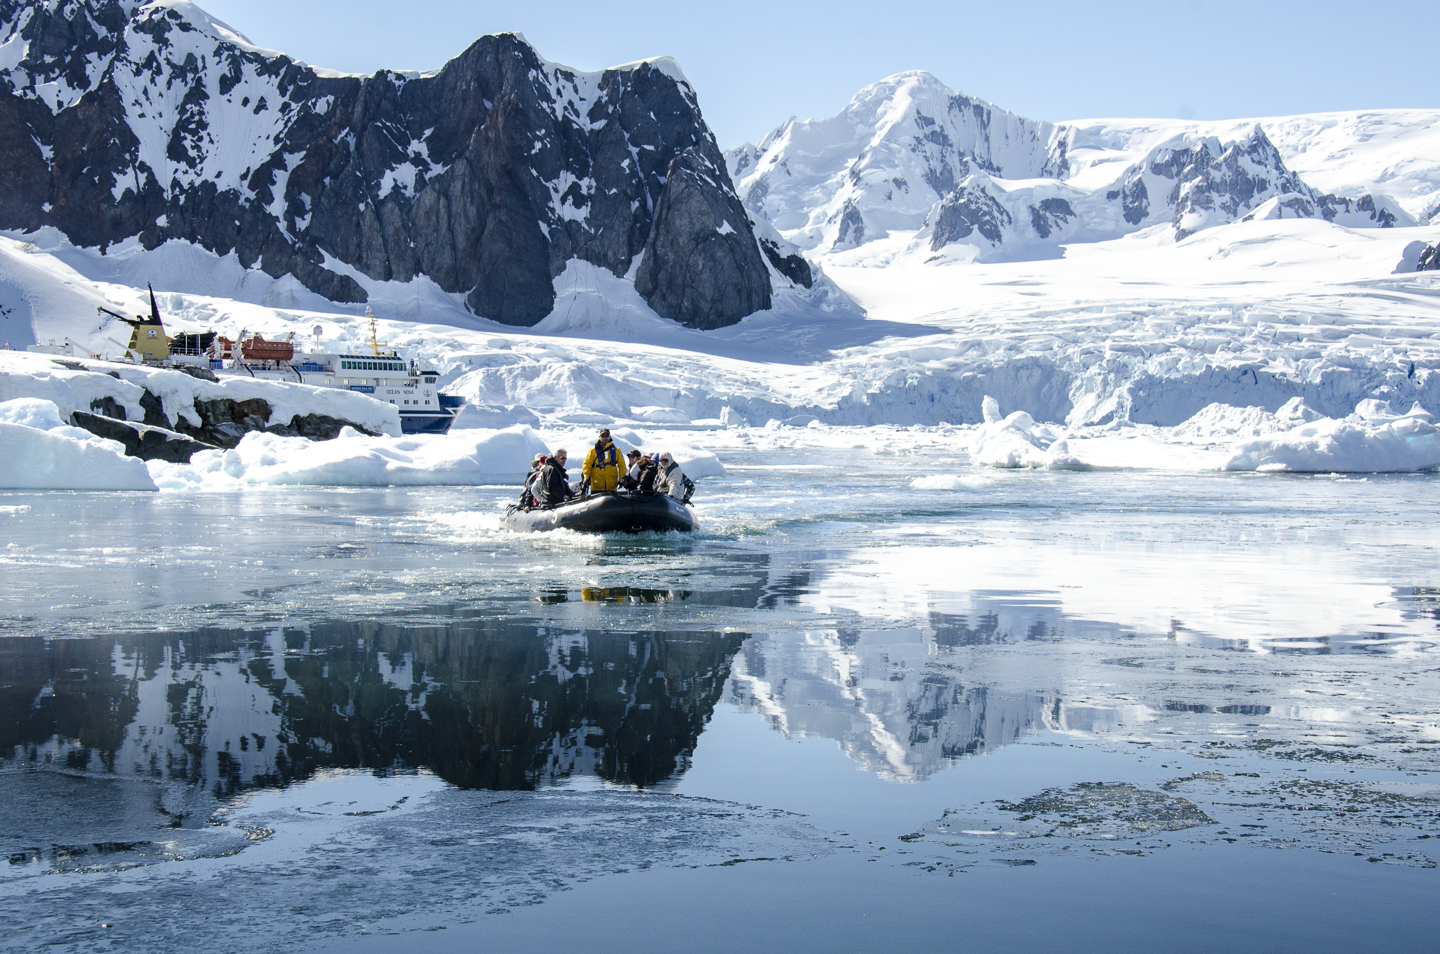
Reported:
(383, 375)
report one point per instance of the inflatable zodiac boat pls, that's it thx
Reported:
(606, 513)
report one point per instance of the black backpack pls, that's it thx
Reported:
(648, 472)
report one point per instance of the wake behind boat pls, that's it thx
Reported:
(609, 512)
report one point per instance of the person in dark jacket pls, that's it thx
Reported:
(552, 486)
(642, 474)
(527, 499)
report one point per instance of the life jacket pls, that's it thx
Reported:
(605, 454)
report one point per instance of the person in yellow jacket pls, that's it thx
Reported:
(603, 467)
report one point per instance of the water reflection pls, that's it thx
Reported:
(483, 704)
(885, 696)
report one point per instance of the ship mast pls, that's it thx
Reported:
(375, 344)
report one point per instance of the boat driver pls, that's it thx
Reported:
(602, 468)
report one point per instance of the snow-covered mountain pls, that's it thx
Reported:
(124, 121)
(969, 180)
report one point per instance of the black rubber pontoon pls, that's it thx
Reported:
(606, 513)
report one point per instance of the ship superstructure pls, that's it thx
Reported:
(382, 374)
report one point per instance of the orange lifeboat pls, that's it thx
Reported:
(258, 349)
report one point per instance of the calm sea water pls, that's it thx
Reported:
(1110, 711)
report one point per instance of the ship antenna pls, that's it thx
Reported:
(374, 338)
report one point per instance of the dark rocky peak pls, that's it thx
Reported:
(1429, 259)
(702, 264)
(970, 208)
(486, 177)
(1215, 183)
(1200, 183)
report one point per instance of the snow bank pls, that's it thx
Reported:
(39, 451)
(1375, 439)
(73, 386)
(353, 460)
(1354, 445)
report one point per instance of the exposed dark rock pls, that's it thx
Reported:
(224, 422)
(487, 176)
(793, 267)
(1429, 259)
(852, 227)
(195, 371)
(146, 443)
(1049, 216)
(316, 427)
(106, 406)
(154, 411)
(1134, 199)
(702, 265)
(966, 210)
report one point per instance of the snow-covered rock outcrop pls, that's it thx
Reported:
(910, 155)
(122, 119)
(882, 164)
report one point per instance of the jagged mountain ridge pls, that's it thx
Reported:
(122, 119)
(910, 155)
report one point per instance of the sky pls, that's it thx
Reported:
(754, 63)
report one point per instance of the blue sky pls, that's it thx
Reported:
(755, 63)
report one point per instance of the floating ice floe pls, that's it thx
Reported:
(39, 451)
(354, 460)
(950, 482)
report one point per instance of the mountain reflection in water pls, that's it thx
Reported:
(483, 704)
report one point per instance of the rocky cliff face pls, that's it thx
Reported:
(121, 119)
(1429, 259)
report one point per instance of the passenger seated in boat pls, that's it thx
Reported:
(527, 497)
(642, 473)
(672, 480)
(552, 486)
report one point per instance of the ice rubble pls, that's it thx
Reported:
(1295, 439)
(460, 458)
(355, 460)
(39, 451)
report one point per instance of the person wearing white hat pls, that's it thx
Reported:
(672, 479)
